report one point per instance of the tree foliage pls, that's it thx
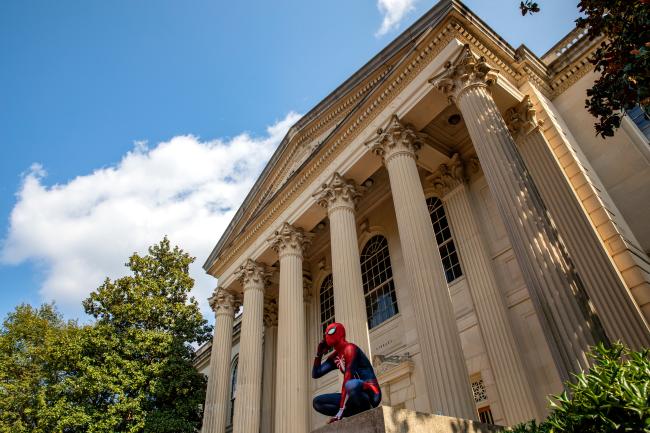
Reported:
(129, 371)
(612, 397)
(622, 60)
(31, 340)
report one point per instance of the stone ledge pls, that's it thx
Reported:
(386, 419)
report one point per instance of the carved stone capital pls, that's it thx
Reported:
(290, 240)
(394, 139)
(448, 176)
(462, 73)
(224, 301)
(338, 192)
(521, 119)
(270, 312)
(253, 275)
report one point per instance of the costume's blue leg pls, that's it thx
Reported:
(327, 404)
(358, 399)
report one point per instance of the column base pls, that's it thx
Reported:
(386, 419)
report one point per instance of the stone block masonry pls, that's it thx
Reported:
(386, 419)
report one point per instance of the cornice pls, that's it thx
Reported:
(398, 79)
(352, 114)
(569, 75)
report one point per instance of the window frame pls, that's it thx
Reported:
(450, 258)
(234, 370)
(381, 287)
(331, 317)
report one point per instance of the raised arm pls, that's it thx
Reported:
(319, 370)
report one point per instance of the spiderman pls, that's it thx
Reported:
(360, 390)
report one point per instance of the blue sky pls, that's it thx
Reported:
(122, 121)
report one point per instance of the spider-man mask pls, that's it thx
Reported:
(334, 334)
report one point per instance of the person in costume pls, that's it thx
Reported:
(360, 390)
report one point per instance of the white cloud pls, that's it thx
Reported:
(394, 12)
(85, 229)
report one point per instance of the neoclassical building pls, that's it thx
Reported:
(452, 206)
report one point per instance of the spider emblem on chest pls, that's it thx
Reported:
(340, 363)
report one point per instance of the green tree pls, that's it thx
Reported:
(130, 371)
(31, 341)
(622, 59)
(141, 347)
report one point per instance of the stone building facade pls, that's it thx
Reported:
(451, 205)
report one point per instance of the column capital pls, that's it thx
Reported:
(270, 313)
(521, 119)
(290, 240)
(338, 192)
(464, 72)
(224, 301)
(253, 275)
(448, 176)
(396, 138)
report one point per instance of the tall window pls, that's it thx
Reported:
(233, 388)
(378, 286)
(450, 262)
(326, 302)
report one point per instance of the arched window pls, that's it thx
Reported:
(448, 254)
(378, 286)
(326, 302)
(233, 388)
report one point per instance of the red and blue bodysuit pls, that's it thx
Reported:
(360, 390)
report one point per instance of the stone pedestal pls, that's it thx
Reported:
(386, 419)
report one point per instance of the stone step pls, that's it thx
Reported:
(386, 419)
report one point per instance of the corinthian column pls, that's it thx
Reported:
(620, 315)
(270, 358)
(340, 197)
(446, 376)
(563, 307)
(508, 369)
(224, 303)
(253, 277)
(291, 397)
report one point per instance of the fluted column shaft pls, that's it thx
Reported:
(249, 375)
(339, 196)
(269, 364)
(447, 380)
(291, 401)
(217, 398)
(570, 321)
(621, 317)
(506, 364)
(567, 316)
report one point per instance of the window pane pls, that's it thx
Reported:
(448, 254)
(327, 302)
(378, 287)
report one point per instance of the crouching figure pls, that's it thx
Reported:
(360, 390)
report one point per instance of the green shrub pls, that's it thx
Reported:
(612, 397)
